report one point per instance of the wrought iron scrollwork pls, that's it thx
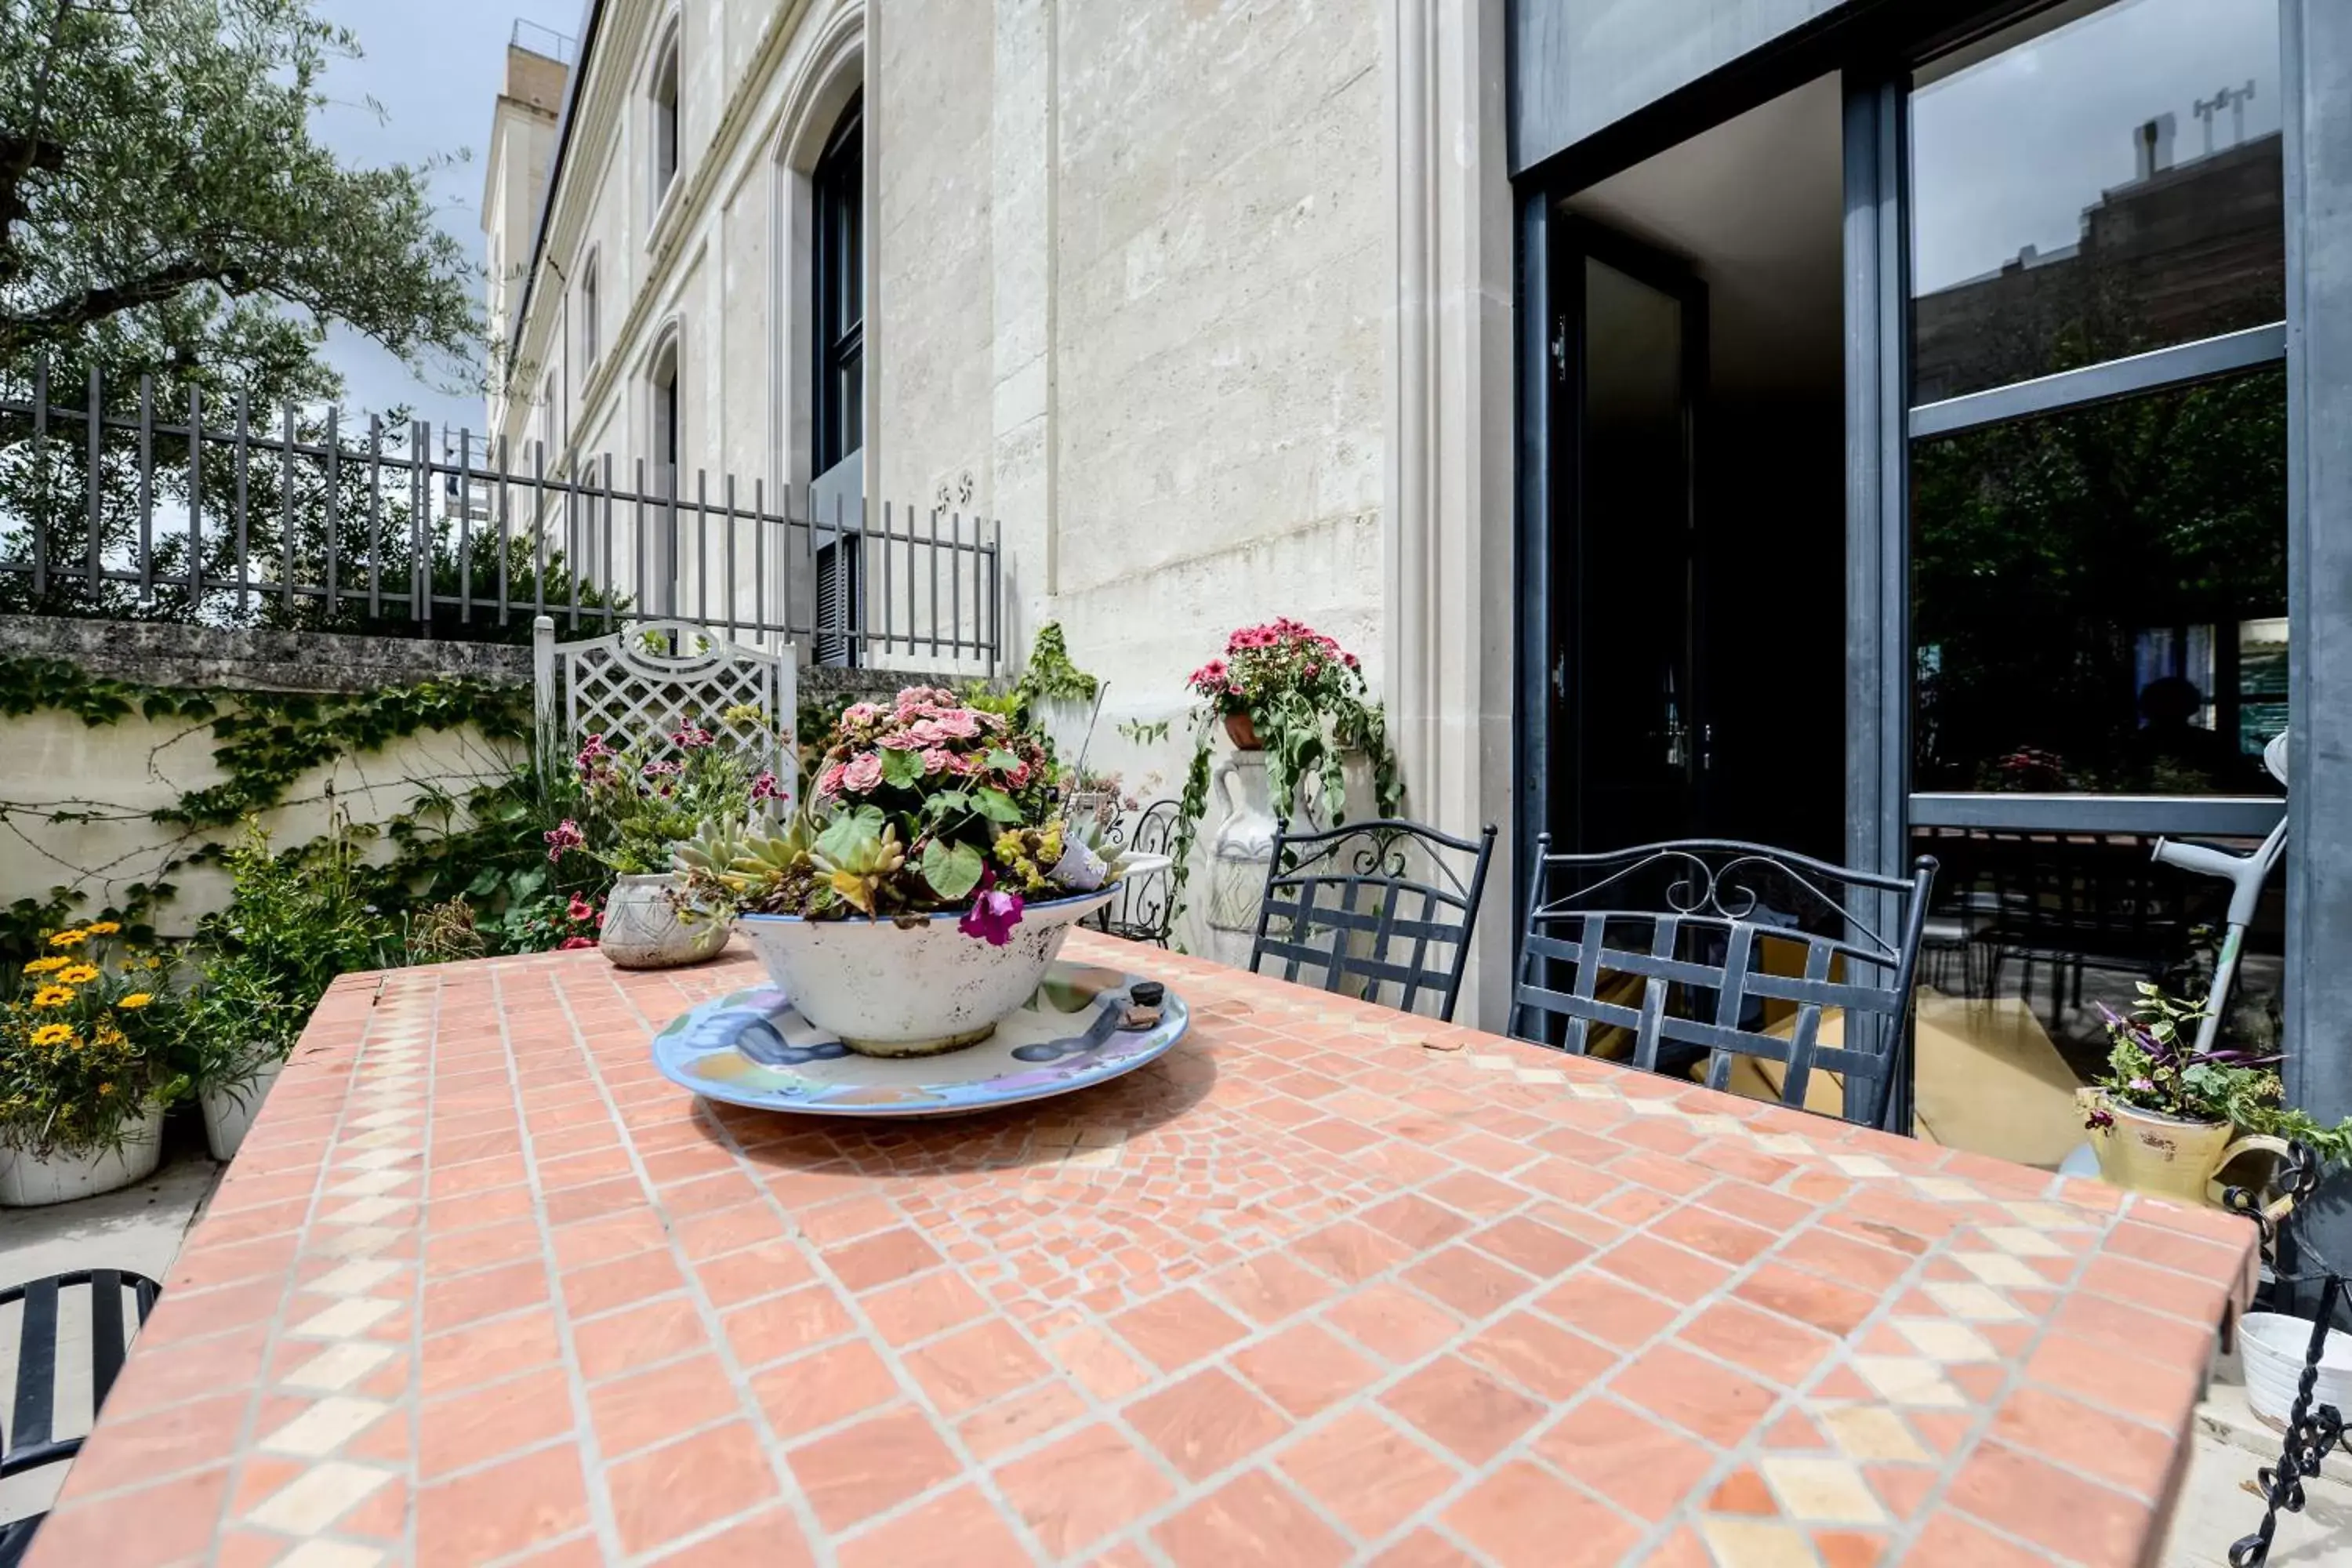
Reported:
(2312, 1434)
(2296, 1178)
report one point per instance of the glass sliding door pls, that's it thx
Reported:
(2097, 529)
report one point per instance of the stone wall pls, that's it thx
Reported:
(77, 799)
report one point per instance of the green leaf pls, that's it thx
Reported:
(951, 869)
(997, 807)
(901, 770)
(851, 834)
(948, 802)
(1002, 760)
(484, 884)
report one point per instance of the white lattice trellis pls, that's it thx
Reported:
(652, 678)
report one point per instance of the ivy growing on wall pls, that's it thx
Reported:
(263, 743)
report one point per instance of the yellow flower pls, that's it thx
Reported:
(69, 939)
(79, 974)
(52, 996)
(53, 1033)
(136, 999)
(43, 965)
(101, 928)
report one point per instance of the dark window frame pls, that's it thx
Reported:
(1879, 140)
(838, 294)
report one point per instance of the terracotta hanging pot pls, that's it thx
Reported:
(1242, 732)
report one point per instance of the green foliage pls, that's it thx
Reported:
(1143, 734)
(636, 801)
(2153, 1064)
(162, 192)
(1050, 674)
(301, 918)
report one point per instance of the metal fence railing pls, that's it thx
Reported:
(111, 506)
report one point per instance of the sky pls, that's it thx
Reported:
(435, 67)
(2008, 153)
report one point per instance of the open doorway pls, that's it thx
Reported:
(1697, 678)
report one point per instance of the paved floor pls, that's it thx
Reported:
(138, 1228)
(2219, 1504)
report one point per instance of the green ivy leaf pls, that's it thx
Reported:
(951, 869)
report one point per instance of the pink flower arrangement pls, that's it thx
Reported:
(948, 743)
(1265, 661)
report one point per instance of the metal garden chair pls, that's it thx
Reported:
(29, 1439)
(1382, 910)
(1144, 908)
(1708, 951)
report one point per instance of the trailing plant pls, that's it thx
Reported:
(2152, 1066)
(1143, 734)
(1307, 700)
(83, 1038)
(1050, 674)
(921, 807)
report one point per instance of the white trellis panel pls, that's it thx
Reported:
(654, 678)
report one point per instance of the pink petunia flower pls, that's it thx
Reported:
(992, 915)
(574, 943)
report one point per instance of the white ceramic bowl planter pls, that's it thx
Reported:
(30, 1181)
(917, 989)
(643, 929)
(2274, 1347)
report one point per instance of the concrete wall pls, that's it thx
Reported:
(1132, 265)
(106, 780)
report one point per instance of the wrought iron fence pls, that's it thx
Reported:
(111, 505)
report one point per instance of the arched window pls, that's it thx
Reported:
(588, 343)
(839, 276)
(664, 119)
(666, 443)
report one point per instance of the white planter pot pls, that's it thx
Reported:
(892, 990)
(1238, 856)
(643, 930)
(27, 1180)
(229, 1108)
(2274, 1347)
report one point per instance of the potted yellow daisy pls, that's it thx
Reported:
(83, 1078)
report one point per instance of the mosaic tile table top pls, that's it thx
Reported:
(1322, 1285)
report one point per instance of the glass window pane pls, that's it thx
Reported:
(2029, 934)
(2095, 184)
(2098, 597)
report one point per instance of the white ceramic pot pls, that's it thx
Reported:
(229, 1108)
(913, 990)
(2274, 1346)
(29, 1181)
(643, 929)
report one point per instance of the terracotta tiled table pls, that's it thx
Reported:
(1324, 1285)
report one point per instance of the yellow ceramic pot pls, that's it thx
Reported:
(2168, 1157)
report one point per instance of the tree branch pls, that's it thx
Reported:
(74, 311)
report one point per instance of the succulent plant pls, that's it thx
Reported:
(857, 851)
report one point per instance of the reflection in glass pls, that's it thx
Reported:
(2029, 934)
(2098, 597)
(2090, 186)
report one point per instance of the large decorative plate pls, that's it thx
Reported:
(752, 1048)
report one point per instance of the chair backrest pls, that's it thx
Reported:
(28, 1435)
(1380, 911)
(1705, 948)
(654, 678)
(1144, 908)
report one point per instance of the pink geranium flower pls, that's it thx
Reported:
(563, 836)
(863, 774)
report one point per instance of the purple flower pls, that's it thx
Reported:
(2141, 1086)
(563, 836)
(662, 770)
(2101, 1119)
(693, 736)
(992, 915)
(764, 787)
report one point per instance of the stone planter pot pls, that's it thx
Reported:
(229, 1108)
(2166, 1156)
(914, 990)
(643, 929)
(30, 1181)
(1239, 853)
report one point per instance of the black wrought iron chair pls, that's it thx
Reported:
(1708, 951)
(29, 1439)
(1342, 903)
(1144, 908)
